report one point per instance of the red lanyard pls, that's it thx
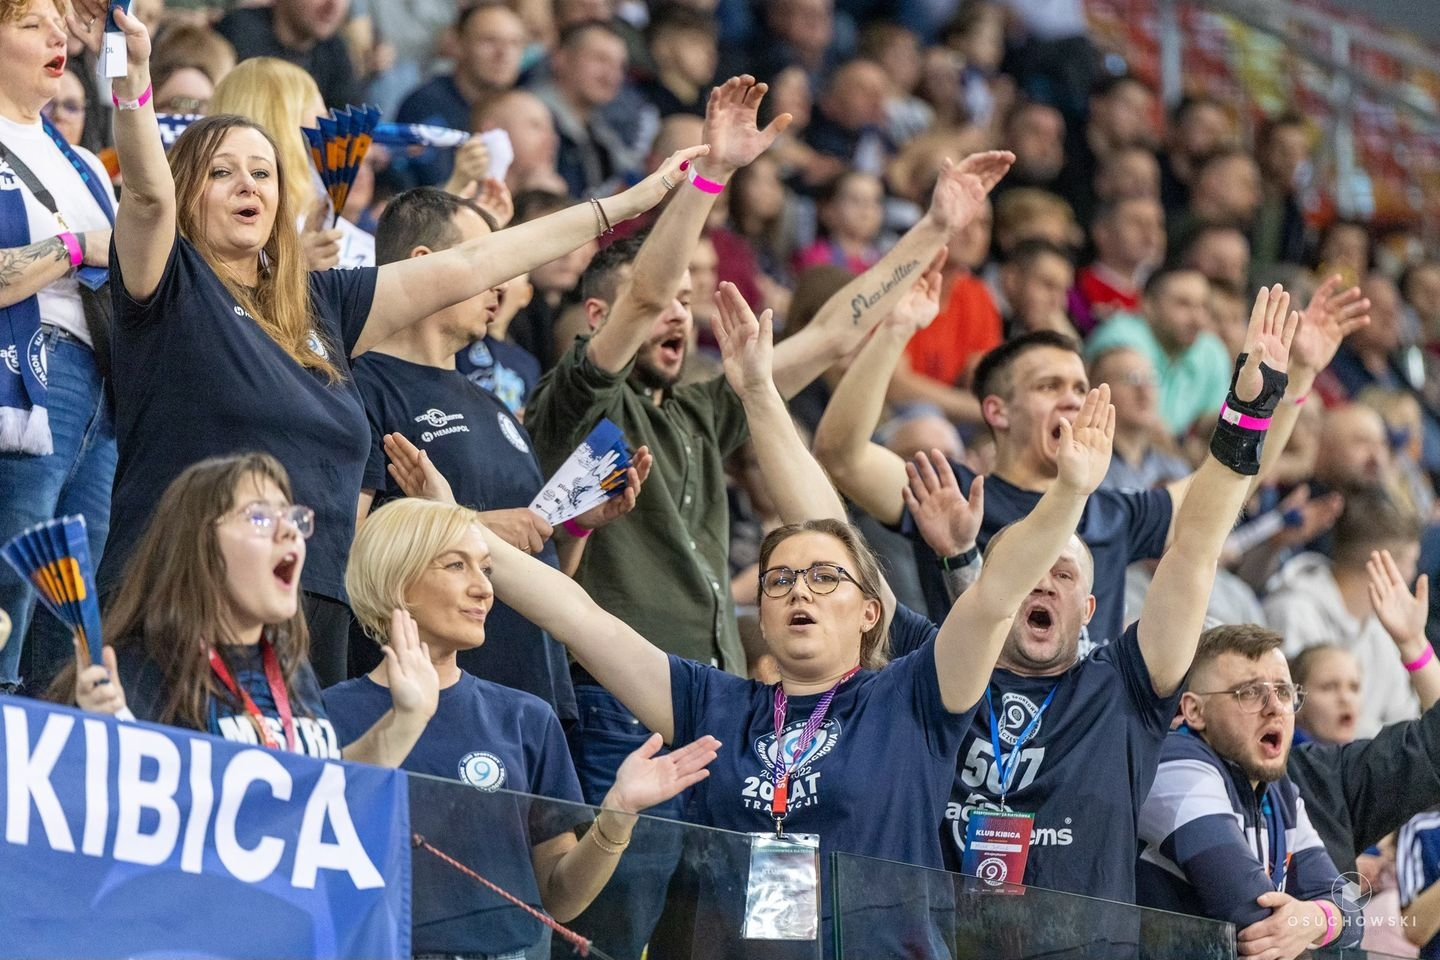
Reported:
(276, 680)
(780, 802)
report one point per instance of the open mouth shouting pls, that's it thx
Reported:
(1039, 620)
(1272, 743)
(248, 215)
(56, 67)
(287, 571)
(799, 619)
(672, 350)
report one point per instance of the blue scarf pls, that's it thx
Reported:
(24, 420)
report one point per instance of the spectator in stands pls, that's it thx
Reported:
(208, 616)
(1036, 132)
(187, 62)
(1225, 190)
(1420, 288)
(1220, 252)
(553, 282)
(67, 110)
(491, 40)
(759, 222)
(1417, 868)
(527, 121)
(1035, 281)
(1225, 831)
(1111, 710)
(1192, 362)
(1129, 236)
(304, 32)
(1126, 173)
(1354, 452)
(796, 33)
(587, 72)
(682, 44)
(1122, 114)
(1330, 676)
(1283, 146)
(813, 290)
(1027, 213)
(1314, 600)
(280, 96)
(1344, 248)
(1145, 457)
(852, 212)
(191, 240)
(431, 560)
(57, 447)
(849, 118)
(1404, 421)
(897, 49)
(1199, 126)
(410, 34)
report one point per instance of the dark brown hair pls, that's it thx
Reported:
(1250, 640)
(865, 569)
(171, 604)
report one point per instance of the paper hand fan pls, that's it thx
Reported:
(594, 473)
(55, 558)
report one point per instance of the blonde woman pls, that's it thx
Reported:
(432, 560)
(226, 342)
(282, 98)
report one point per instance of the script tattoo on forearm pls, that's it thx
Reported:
(864, 301)
(16, 261)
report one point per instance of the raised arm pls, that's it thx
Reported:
(972, 635)
(625, 663)
(1174, 611)
(848, 316)
(948, 522)
(735, 140)
(866, 472)
(1403, 616)
(145, 221)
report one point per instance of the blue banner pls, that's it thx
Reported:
(137, 840)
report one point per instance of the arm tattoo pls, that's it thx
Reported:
(864, 301)
(17, 260)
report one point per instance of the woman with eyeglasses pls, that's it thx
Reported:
(57, 440)
(67, 110)
(206, 630)
(226, 341)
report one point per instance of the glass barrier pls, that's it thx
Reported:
(678, 888)
(886, 909)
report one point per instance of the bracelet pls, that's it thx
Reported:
(575, 530)
(1422, 661)
(1301, 401)
(604, 842)
(77, 252)
(1230, 415)
(961, 560)
(701, 184)
(133, 104)
(1332, 921)
(602, 222)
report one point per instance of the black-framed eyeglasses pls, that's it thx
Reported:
(263, 518)
(1252, 697)
(822, 578)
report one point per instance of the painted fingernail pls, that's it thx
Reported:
(684, 165)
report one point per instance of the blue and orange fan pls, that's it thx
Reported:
(55, 557)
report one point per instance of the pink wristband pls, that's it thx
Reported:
(1421, 662)
(1301, 401)
(134, 104)
(1243, 420)
(575, 530)
(77, 252)
(701, 184)
(1332, 922)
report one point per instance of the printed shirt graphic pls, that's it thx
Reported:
(1417, 865)
(494, 739)
(1083, 775)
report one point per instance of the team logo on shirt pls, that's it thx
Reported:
(35, 357)
(804, 782)
(512, 433)
(1016, 712)
(482, 770)
(11, 356)
(439, 419)
(317, 346)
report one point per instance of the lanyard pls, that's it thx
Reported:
(1009, 765)
(276, 680)
(1275, 835)
(780, 802)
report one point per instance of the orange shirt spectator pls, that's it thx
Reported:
(967, 328)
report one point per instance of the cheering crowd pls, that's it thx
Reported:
(992, 437)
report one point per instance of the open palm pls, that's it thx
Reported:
(962, 188)
(746, 343)
(1083, 456)
(1331, 316)
(644, 779)
(1268, 338)
(732, 124)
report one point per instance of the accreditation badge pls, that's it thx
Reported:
(782, 896)
(997, 844)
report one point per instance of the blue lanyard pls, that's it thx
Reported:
(1275, 835)
(87, 176)
(1008, 765)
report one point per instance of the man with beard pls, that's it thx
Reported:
(1224, 831)
(664, 569)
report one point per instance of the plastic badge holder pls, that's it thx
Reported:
(782, 895)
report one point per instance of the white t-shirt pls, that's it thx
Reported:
(60, 301)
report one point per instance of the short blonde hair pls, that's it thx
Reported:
(12, 10)
(394, 546)
(275, 94)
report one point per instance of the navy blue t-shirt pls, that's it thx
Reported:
(874, 783)
(196, 377)
(438, 103)
(1119, 527)
(492, 738)
(485, 453)
(1084, 775)
(147, 693)
(504, 369)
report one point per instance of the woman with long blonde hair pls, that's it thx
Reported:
(282, 98)
(225, 341)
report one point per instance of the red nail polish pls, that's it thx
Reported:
(684, 165)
